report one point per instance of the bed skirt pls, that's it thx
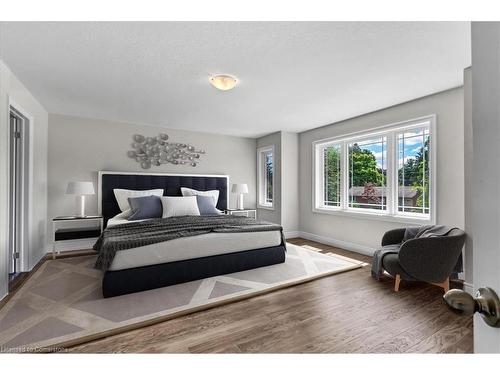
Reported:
(131, 280)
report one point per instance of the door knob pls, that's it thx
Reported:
(485, 302)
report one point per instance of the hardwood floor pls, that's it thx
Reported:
(344, 313)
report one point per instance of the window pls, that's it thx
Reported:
(331, 175)
(265, 162)
(413, 171)
(385, 172)
(368, 174)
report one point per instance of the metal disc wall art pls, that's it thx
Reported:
(156, 151)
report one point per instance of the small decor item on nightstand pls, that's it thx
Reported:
(240, 189)
(80, 189)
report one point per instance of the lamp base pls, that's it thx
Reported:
(240, 202)
(80, 206)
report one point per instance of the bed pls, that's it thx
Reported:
(181, 259)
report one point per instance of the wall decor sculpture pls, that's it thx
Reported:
(156, 151)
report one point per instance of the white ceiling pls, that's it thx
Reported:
(294, 75)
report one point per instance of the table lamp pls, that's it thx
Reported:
(240, 189)
(80, 189)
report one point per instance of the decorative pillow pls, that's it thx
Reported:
(187, 192)
(179, 206)
(122, 196)
(206, 206)
(149, 207)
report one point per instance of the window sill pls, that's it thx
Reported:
(375, 216)
(270, 208)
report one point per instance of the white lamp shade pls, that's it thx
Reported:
(80, 188)
(240, 188)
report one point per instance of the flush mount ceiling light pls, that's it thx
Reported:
(223, 82)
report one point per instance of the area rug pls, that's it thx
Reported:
(61, 304)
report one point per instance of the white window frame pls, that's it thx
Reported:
(345, 180)
(391, 214)
(262, 177)
(321, 175)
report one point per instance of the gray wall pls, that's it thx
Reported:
(80, 147)
(290, 183)
(286, 181)
(272, 215)
(11, 87)
(468, 177)
(363, 234)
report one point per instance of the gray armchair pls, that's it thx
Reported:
(430, 259)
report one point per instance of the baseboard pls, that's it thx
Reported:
(361, 249)
(37, 260)
(469, 288)
(292, 234)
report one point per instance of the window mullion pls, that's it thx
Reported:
(262, 174)
(345, 176)
(259, 177)
(392, 201)
(320, 172)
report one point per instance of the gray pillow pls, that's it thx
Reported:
(206, 205)
(148, 207)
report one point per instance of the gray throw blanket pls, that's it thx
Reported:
(131, 235)
(378, 256)
(410, 233)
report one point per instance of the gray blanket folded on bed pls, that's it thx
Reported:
(130, 235)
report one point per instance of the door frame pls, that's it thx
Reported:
(27, 182)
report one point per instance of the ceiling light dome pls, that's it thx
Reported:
(223, 82)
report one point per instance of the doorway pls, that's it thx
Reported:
(18, 192)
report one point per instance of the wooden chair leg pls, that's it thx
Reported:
(396, 283)
(446, 285)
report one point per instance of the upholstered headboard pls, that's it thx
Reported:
(171, 183)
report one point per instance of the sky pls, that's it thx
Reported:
(412, 145)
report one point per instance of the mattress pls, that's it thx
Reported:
(190, 247)
(193, 247)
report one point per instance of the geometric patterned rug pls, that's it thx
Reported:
(61, 304)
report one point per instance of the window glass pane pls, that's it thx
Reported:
(413, 171)
(367, 163)
(331, 175)
(268, 168)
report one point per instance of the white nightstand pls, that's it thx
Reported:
(248, 212)
(70, 229)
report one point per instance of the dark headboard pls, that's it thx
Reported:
(171, 183)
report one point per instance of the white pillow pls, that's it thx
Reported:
(180, 206)
(187, 192)
(122, 196)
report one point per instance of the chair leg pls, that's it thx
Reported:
(396, 283)
(445, 285)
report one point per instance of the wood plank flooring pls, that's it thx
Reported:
(344, 313)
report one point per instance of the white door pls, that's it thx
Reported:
(485, 195)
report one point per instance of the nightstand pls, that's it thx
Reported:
(248, 212)
(67, 229)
